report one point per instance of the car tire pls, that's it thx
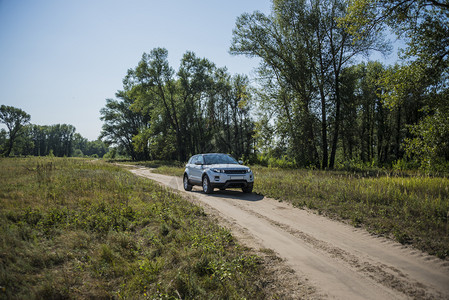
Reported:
(248, 188)
(187, 185)
(207, 188)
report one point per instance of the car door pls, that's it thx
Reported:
(197, 168)
(193, 168)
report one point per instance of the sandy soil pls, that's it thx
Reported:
(320, 258)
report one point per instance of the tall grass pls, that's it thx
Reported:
(170, 170)
(80, 229)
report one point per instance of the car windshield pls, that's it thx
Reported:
(212, 159)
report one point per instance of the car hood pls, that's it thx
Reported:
(227, 166)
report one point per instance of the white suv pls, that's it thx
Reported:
(216, 170)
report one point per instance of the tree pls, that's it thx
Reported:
(39, 136)
(200, 108)
(305, 50)
(3, 139)
(372, 131)
(60, 139)
(95, 148)
(79, 145)
(232, 124)
(122, 124)
(284, 58)
(430, 144)
(422, 24)
(65, 133)
(155, 77)
(195, 87)
(14, 119)
(424, 74)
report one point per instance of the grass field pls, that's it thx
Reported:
(86, 229)
(408, 207)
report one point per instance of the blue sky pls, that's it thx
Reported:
(60, 59)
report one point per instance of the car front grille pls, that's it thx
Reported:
(239, 171)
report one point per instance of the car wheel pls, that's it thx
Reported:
(187, 186)
(207, 188)
(248, 188)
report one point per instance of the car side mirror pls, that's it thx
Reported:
(198, 163)
(240, 162)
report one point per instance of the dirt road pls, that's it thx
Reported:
(337, 260)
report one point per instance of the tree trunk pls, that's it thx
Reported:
(398, 133)
(337, 125)
(325, 160)
(10, 145)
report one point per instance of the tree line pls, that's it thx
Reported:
(23, 138)
(315, 104)
(163, 114)
(328, 108)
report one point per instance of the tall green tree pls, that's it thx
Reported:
(232, 125)
(122, 124)
(284, 58)
(424, 74)
(305, 50)
(58, 139)
(14, 119)
(372, 132)
(199, 108)
(156, 77)
(3, 139)
(39, 136)
(195, 86)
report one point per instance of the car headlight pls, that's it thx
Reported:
(217, 170)
(248, 170)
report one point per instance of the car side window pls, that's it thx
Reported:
(200, 159)
(193, 160)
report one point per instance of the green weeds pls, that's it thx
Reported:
(73, 228)
(170, 170)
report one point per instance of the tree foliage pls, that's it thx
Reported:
(163, 114)
(57, 139)
(14, 119)
(317, 107)
(423, 76)
(304, 53)
(121, 125)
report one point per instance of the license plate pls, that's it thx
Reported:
(237, 177)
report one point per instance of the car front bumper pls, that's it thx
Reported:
(220, 180)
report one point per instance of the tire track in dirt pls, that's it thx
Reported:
(337, 260)
(381, 273)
